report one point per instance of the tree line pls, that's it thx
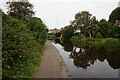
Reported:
(86, 28)
(86, 25)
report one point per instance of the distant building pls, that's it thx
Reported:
(54, 31)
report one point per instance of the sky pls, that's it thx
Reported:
(59, 13)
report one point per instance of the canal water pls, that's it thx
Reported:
(90, 61)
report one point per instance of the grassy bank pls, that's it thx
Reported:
(95, 41)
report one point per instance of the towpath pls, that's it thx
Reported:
(52, 65)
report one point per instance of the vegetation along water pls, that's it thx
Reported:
(91, 48)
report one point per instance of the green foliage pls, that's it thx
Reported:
(20, 10)
(23, 40)
(95, 41)
(115, 15)
(91, 30)
(39, 28)
(117, 35)
(88, 26)
(86, 23)
(102, 41)
(114, 32)
(75, 39)
(20, 51)
(58, 34)
(51, 36)
(0, 21)
(111, 41)
(82, 21)
(90, 39)
(68, 31)
(105, 27)
(0, 13)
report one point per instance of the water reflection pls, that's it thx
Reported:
(85, 56)
(68, 46)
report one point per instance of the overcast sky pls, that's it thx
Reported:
(58, 13)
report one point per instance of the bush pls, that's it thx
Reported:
(68, 31)
(117, 35)
(90, 39)
(75, 39)
(95, 41)
(58, 34)
(39, 28)
(21, 51)
(111, 41)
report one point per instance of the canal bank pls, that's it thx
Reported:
(52, 65)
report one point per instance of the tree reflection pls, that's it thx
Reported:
(85, 56)
(68, 46)
(82, 58)
(88, 57)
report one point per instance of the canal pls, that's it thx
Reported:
(90, 61)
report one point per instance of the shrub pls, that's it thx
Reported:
(39, 28)
(111, 41)
(117, 35)
(20, 51)
(90, 39)
(95, 41)
(75, 39)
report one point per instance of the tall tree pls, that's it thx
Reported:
(115, 15)
(92, 29)
(105, 27)
(20, 10)
(68, 31)
(86, 23)
(83, 20)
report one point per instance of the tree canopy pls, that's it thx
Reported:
(115, 15)
(105, 27)
(82, 20)
(20, 10)
(37, 26)
(86, 23)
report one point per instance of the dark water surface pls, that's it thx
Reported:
(90, 61)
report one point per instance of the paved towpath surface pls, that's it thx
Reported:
(52, 65)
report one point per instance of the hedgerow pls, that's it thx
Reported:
(21, 50)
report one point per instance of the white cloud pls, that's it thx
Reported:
(75, 0)
(58, 13)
